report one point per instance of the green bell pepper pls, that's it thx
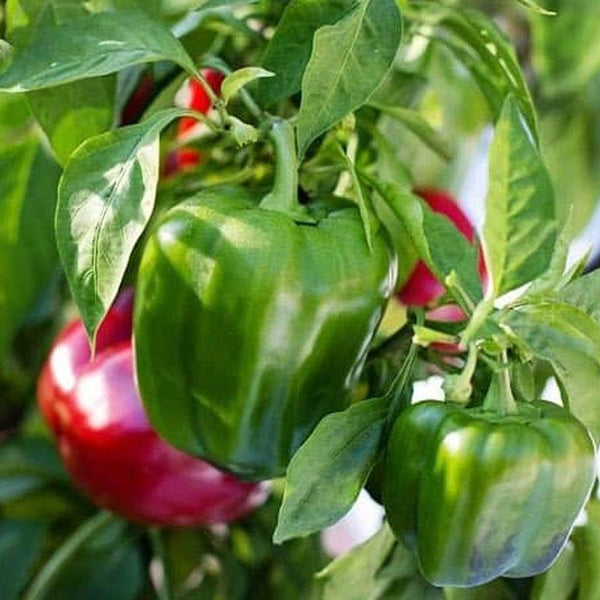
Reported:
(477, 495)
(252, 321)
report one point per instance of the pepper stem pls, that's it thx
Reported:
(284, 195)
(500, 398)
(458, 388)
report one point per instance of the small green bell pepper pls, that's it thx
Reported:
(252, 321)
(477, 495)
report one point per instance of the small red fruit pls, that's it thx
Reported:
(108, 445)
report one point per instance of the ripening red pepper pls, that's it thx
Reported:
(198, 98)
(422, 288)
(181, 160)
(138, 101)
(108, 445)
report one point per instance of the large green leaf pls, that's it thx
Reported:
(348, 61)
(327, 473)
(491, 60)
(584, 293)
(90, 46)
(21, 544)
(106, 198)
(28, 180)
(569, 340)
(354, 576)
(520, 228)
(73, 112)
(436, 239)
(14, 116)
(99, 560)
(289, 50)
(417, 124)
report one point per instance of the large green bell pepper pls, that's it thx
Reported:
(252, 323)
(477, 495)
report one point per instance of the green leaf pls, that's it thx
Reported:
(587, 552)
(27, 465)
(560, 581)
(348, 61)
(416, 123)
(242, 133)
(554, 277)
(105, 200)
(21, 544)
(569, 340)
(354, 576)
(327, 473)
(436, 239)
(490, 58)
(14, 116)
(367, 214)
(28, 180)
(290, 47)
(99, 560)
(584, 294)
(91, 46)
(72, 113)
(235, 81)
(178, 6)
(520, 228)
(535, 7)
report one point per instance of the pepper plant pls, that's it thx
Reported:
(231, 242)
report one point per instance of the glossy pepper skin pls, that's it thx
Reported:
(250, 326)
(107, 444)
(477, 496)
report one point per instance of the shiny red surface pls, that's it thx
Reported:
(71, 352)
(108, 446)
(422, 288)
(199, 99)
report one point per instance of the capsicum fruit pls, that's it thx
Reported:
(253, 320)
(107, 444)
(477, 495)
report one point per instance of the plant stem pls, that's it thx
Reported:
(163, 591)
(46, 577)
(499, 398)
(284, 195)
(510, 406)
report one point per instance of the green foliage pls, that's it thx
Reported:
(342, 451)
(91, 46)
(384, 95)
(106, 198)
(28, 180)
(359, 50)
(520, 229)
